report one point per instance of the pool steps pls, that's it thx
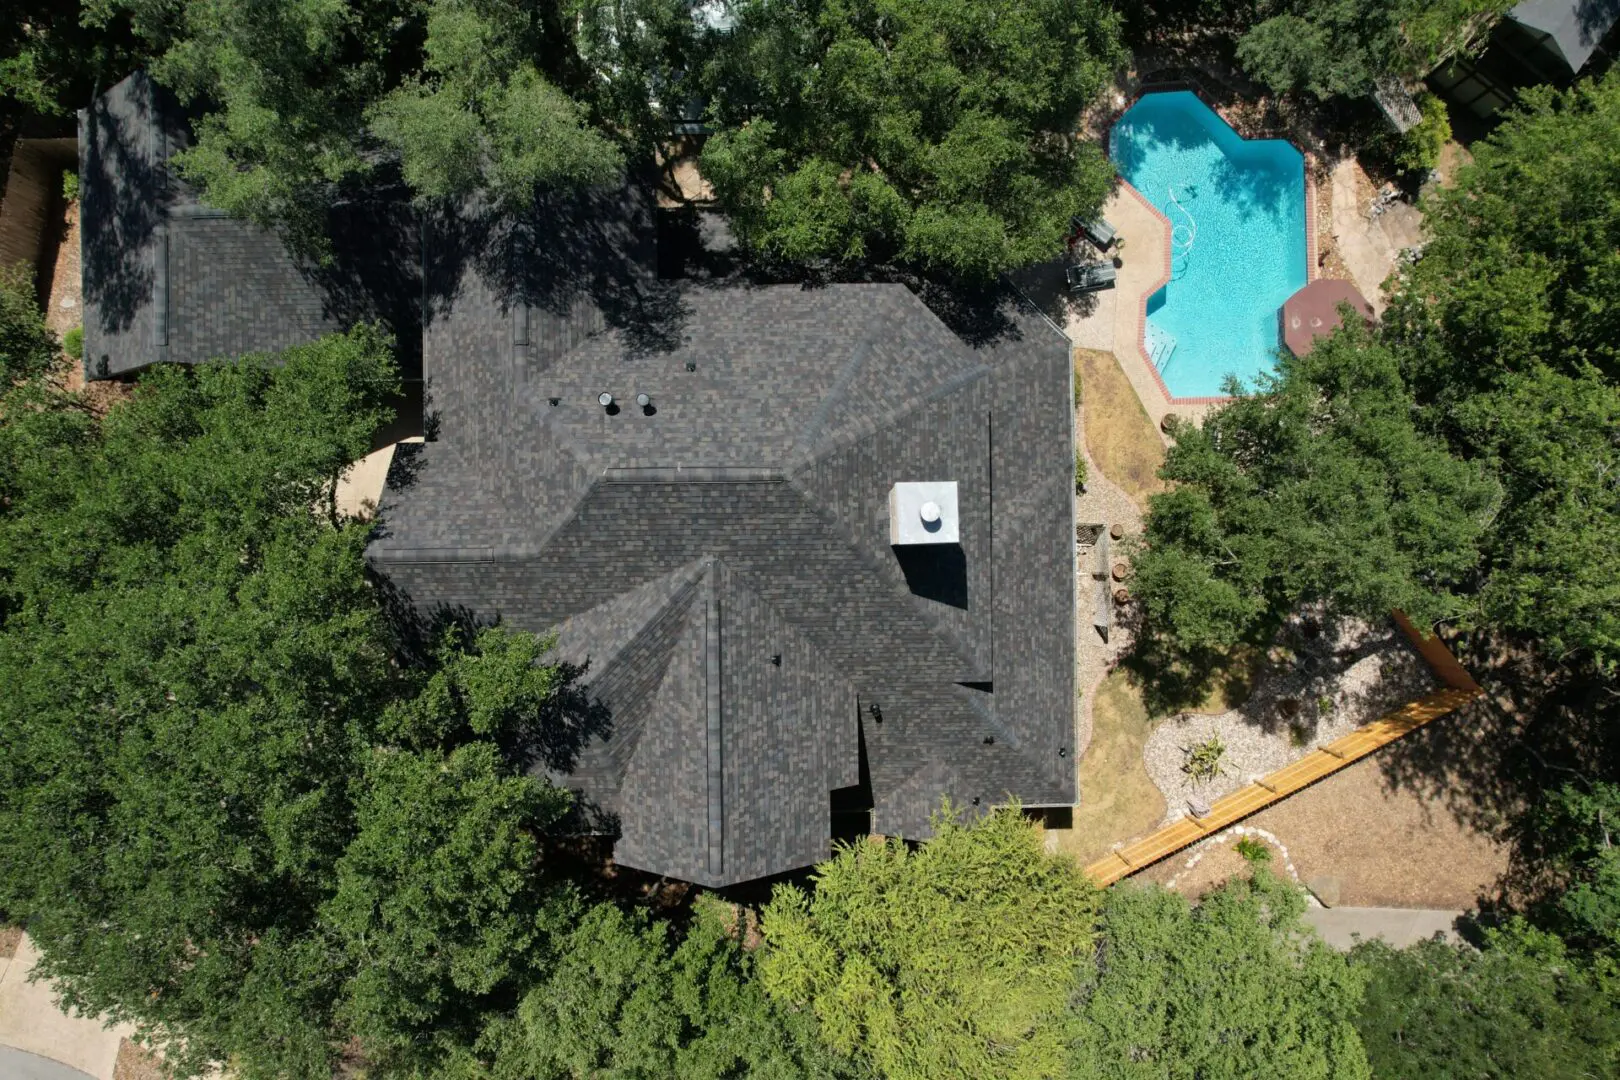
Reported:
(1160, 345)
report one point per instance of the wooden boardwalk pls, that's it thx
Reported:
(1281, 784)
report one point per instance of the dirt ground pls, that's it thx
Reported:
(64, 307)
(1117, 800)
(10, 936)
(135, 1063)
(1389, 846)
(1119, 435)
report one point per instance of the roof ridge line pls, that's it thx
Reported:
(857, 360)
(861, 430)
(691, 572)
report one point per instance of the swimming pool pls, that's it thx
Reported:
(1237, 219)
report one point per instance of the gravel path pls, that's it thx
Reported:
(1313, 691)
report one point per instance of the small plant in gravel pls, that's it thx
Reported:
(1324, 706)
(1254, 852)
(73, 343)
(1298, 735)
(1204, 759)
(1079, 470)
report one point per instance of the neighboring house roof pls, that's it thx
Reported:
(166, 278)
(717, 568)
(1576, 27)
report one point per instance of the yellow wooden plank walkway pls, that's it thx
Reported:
(1278, 785)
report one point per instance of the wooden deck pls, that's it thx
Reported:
(1280, 784)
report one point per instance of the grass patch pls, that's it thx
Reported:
(1118, 801)
(1119, 434)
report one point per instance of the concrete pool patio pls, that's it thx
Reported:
(1113, 322)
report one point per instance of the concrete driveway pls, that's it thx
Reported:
(31, 1023)
(21, 1065)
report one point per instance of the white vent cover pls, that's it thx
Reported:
(924, 513)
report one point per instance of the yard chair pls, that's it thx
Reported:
(1089, 277)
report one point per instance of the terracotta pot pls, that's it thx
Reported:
(1120, 570)
(1117, 531)
(1122, 596)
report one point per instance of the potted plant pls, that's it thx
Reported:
(1119, 246)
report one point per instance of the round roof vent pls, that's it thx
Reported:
(643, 400)
(604, 399)
(929, 512)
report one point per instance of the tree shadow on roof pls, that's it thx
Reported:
(125, 195)
(596, 247)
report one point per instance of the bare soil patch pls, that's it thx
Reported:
(1389, 845)
(1118, 802)
(134, 1062)
(1120, 436)
(10, 937)
(64, 309)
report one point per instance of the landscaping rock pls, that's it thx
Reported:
(1364, 670)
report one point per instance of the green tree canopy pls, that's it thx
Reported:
(935, 131)
(228, 810)
(1509, 332)
(1522, 1006)
(954, 960)
(482, 116)
(51, 62)
(622, 1001)
(1319, 488)
(1235, 986)
(298, 99)
(1333, 47)
(27, 347)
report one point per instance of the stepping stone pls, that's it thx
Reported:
(1326, 889)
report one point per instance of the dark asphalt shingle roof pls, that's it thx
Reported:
(745, 519)
(719, 568)
(167, 279)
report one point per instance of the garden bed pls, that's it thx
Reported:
(1319, 683)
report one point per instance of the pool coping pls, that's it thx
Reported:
(1169, 247)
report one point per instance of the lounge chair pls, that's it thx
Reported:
(1088, 277)
(1096, 230)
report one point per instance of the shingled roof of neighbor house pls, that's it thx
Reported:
(166, 278)
(717, 560)
(720, 559)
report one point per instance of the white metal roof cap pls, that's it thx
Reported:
(924, 512)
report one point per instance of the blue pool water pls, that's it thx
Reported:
(1237, 216)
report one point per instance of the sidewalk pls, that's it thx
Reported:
(31, 1022)
(1341, 927)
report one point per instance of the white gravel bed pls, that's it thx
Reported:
(1314, 691)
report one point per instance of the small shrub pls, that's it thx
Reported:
(1324, 706)
(1298, 735)
(1204, 759)
(70, 185)
(1419, 149)
(1079, 469)
(73, 343)
(1254, 852)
